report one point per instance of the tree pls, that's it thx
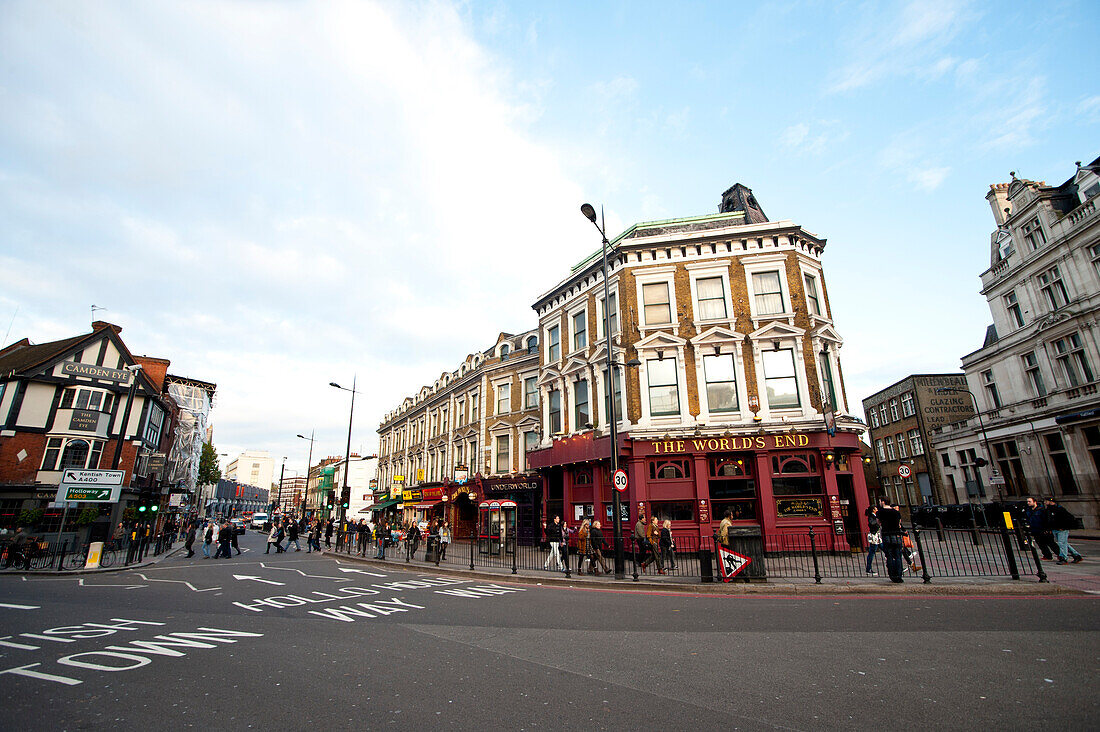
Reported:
(209, 472)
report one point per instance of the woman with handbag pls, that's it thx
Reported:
(667, 546)
(874, 538)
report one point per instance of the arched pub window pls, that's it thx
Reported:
(75, 456)
(669, 469)
(797, 485)
(733, 487)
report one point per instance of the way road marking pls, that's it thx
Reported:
(257, 579)
(84, 583)
(361, 571)
(322, 576)
(189, 585)
(19, 607)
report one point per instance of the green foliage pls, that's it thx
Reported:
(129, 514)
(209, 471)
(86, 516)
(31, 516)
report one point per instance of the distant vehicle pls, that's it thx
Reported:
(258, 520)
(238, 525)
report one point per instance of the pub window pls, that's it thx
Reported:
(664, 395)
(732, 487)
(655, 303)
(580, 405)
(580, 330)
(779, 378)
(77, 398)
(669, 469)
(712, 298)
(53, 451)
(811, 295)
(767, 293)
(504, 461)
(673, 510)
(582, 477)
(721, 383)
(795, 475)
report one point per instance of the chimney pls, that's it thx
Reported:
(102, 324)
(155, 369)
(998, 201)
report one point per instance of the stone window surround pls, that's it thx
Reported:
(654, 275)
(769, 263)
(705, 270)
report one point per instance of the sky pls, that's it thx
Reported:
(280, 195)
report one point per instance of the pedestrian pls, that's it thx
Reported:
(274, 537)
(1039, 529)
(889, 519)
(645, 547)
(553, 538)
(653, 537)
(292, 534)
(1061, 521)
(328, 534)
(207, 539)
(381, 530)
(189, 541)
(444, 539)
(412, 540)
(233, 538)
(225, 536)
(874, 538)
(584, 554)
(667, 546)
(907, 553)
(724, 528)
(362, 531)
(119, 532)
(595, 543)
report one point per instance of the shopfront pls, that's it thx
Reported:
(524, 496)
(783, 483)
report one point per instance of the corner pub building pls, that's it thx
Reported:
(727, 364)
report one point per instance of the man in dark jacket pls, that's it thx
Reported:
(328, 533)
(892, 540)
(292, 536)
(595, 541)
(412, 541)
(1037, 527)
(190, 540)
(1060, 522)
(225, 537)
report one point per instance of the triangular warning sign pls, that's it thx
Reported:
(730, 563)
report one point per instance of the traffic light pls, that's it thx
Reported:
(981, 462)
(141, 509)
(154, 508)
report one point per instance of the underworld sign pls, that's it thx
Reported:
(72, 368)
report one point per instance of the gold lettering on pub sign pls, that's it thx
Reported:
(727, 444)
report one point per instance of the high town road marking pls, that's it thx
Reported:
(256, 579)
(22, 607)
(361, 571)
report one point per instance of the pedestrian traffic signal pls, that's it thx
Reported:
(981, 462)
(154, 508)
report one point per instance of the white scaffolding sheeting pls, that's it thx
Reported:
(195, 402)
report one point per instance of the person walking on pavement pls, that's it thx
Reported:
(1039, 529)
(583, 552)
(292, 534)
(412, 540)
(207, 539)
(724, 528)
(667, 546)
(233, 539)
(645, 547)
(328, 534)
(652, 537)
(362, 531)
(595, 542)
(1061, 521)
(189, 542)
(553, 538)
(313, 537)
(380, 532)
(889, 519)
(444, 539)
(874, 538)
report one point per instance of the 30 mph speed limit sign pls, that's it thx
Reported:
(903, 471)
(618, 480)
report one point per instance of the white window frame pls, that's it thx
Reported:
(502, 396)
(581, 311)
(706, 271)
(534, 379)
(907, 407)
(650, 276)
(769, 264)
(551, 345)
(577, 424)
(677, 383)
(507, 437)
(615, 327)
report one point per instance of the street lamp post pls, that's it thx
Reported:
(981, 423)
(620, 562)
(344, 491)
(309, 466)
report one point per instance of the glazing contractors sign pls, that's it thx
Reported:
(72, 368)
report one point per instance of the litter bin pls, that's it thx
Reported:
(748, 542)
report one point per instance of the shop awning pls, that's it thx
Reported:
(427, 505)
(383, 505)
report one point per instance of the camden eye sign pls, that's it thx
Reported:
(72, 368)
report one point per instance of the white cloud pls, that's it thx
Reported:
(929, 179)
(1089, 108)
(300, 193)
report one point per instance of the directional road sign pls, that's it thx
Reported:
(619, 480)
(730, 563)
(92, 477)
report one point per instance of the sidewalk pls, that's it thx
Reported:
(149, 561)
(1062, 582)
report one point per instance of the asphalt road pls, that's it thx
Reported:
(292, 641)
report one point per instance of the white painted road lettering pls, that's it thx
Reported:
(256, 579)
(134, 654)
(368, 610)
(479, 591)
(280, 601)
(419, 584)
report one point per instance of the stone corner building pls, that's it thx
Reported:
(1034, 379)
(729, 317)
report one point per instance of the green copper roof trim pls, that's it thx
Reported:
(651, 224)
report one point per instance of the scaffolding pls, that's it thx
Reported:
(195, 400)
